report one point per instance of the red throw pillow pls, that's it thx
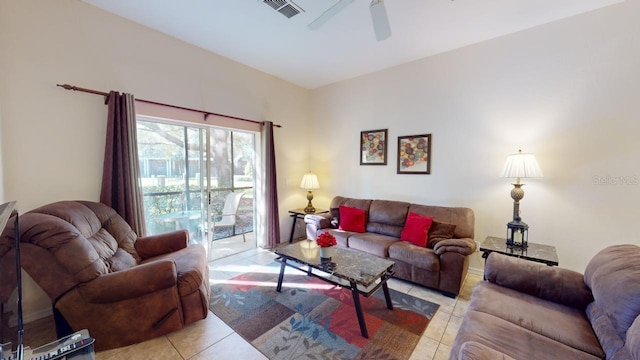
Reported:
(352, 219)
(416, 228)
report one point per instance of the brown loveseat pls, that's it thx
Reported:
(442, 265)
(530, 311)
(102, 277)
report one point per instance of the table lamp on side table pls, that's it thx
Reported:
(519, 165)
(310, 182)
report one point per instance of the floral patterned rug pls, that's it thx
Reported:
(311, 319)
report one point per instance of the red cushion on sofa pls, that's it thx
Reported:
(416, 228)
(352, 219)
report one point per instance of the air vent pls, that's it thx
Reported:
(284, 7)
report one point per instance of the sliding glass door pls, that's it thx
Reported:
(187, 172)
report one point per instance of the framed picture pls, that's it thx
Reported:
(373, 147)
(414, 154)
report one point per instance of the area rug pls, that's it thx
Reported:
(311, 319)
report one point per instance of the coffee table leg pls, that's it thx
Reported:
(387, 296)
(356, 301)
(283, 264)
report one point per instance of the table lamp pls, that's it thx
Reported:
(519, 166)
(310, 182)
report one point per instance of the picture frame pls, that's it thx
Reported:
(414, 154)
(373, 147)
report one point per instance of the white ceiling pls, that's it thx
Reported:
(252, 33)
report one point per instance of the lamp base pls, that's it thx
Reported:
(310, 209)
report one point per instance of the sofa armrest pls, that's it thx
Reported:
(315, 222)
(555, 284)
(464, 246)
(472, 350)
(154, 245)
(130, 283)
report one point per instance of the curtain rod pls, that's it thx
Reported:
(206, 113)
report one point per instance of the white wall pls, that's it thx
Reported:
(566, 91)
(53, 139)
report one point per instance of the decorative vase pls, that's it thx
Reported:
(326, 252)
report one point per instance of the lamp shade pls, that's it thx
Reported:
(521, 165)
(310, 181)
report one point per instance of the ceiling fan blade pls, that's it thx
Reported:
(328, 14)
(380, 20)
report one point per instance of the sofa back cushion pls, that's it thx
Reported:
(463, 218)
(87, 239)
(356, 203)
(613, 276)
(387, 217)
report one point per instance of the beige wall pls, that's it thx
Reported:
(53, 139)
(567, 91)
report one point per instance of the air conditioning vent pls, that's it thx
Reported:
(284, 7)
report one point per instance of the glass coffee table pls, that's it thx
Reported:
(362, 273)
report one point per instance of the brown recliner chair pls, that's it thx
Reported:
(102, 277)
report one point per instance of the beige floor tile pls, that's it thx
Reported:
(200, 335)
(451, 331)
(263, 257)
(400, 285)
(158, 349)
(461, 307)
(443, 352)
(437, 326)
(425, 350)
(233, 347)
(467, 287)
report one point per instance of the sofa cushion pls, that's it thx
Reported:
(472, 350)
(352, 219)
(462, 217)
(613, 275)
(418, 256)
(374, 244)
(633, 339)
(511, 339)
(387, 217)
(415, 229)
(560, 323)
(439, 231)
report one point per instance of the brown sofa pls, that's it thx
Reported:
(525, 310)
(442, 265)
(100, 276)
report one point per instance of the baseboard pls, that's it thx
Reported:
(29, 317)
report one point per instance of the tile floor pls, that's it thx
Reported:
(212, 338)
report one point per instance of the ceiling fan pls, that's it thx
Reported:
(378, 17)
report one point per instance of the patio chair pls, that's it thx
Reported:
(229, 216)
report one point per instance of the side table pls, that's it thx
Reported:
(545, 254)
(299, 214)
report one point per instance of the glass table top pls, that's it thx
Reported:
(359, 267)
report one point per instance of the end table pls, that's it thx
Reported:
(545, 254)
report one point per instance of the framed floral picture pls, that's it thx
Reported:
(373, 147)
(414, 154)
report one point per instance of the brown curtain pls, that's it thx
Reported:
(272, 218)
(121, 173)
